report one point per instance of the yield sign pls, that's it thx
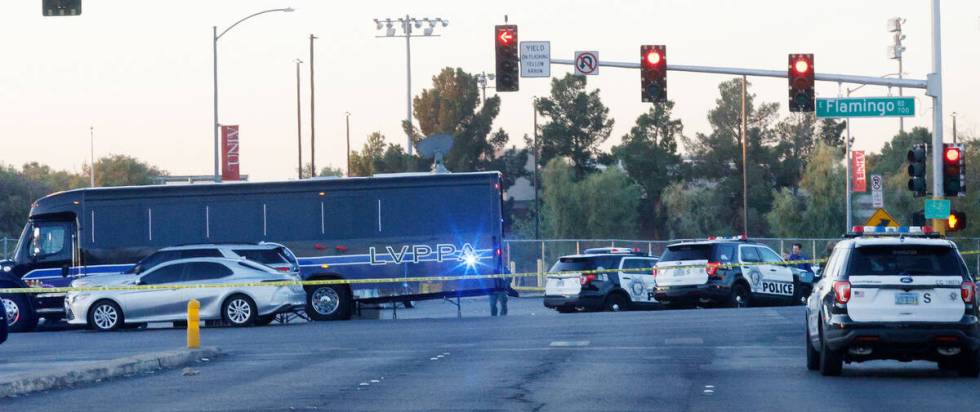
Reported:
(587, 63)
(881, 218)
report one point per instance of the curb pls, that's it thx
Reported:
(101, 370)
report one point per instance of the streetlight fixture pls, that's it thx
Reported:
(406, 24)
(215, 37)
(895, 52)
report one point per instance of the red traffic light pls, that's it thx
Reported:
(801, 66)
(653, 58)
(505, 36)
(951, 155)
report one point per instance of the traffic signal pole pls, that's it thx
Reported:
(935, 90)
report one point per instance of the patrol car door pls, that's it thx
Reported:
(777, 278)
(749, 257)
(636, 278)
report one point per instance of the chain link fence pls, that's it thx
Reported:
(537, 256)
(8, 245)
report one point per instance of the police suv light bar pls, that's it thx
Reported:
(891, 231)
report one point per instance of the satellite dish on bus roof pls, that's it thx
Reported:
(435, 147)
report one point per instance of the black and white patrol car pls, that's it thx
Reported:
(905, 295)
(732, 272)
(601, 279)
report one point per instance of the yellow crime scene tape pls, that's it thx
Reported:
(122, 287)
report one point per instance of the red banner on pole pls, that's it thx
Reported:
(858, 166)
(229, 153)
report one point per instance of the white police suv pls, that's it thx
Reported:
(904, 294)
(727, 271)
(612, 279)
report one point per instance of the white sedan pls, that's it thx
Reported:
(238, 306)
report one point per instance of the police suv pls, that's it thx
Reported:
(905, 294)
(731, 271)
(613, 278)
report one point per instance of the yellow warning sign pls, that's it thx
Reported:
(881, 218)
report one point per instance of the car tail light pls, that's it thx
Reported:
(968, 290)
(712, 269)
(654, 273)
(586, 278)
(282, 269)
(842, 291)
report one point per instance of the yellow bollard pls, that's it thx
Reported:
(193, 324)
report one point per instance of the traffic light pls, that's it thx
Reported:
(508, 60)
(919, 218)
(917, 169)
(956, 221)
(801, 96)
(61, 7)
(954, 163)
(653, 73)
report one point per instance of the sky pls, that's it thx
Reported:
(140, 72)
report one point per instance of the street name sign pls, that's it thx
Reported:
(535, 59)
(937, 208)
(866, 107)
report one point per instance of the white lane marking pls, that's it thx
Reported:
(569, 343)
(364, 384)
(709, 386)
(433, 358)
(375, 381)
(684, 341)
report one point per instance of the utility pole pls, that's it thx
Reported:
(534, 150)
(299, 125)
(482, 80)
(954, 127)
(312, 115)
(347, 121)
(91, 137)
(745, 167)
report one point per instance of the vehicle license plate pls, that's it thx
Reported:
(907, 299)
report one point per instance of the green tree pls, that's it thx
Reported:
(583, 209)
(717, 156)
(817, 208)
(576, 124)
(123, 170)
(649, 154)
(324, 172)
(18, 194)
(362, 163)
(453, 106)
(696, 209)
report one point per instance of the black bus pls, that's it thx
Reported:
(394, 226)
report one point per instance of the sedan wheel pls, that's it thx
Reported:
(105, 315)
(239, 310)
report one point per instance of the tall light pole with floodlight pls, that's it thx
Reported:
(215, 37)
(406, 23)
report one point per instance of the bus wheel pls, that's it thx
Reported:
(20, 316)
(328, 302)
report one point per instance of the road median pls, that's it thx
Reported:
(98, 371)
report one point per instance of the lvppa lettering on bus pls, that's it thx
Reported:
(441, 252)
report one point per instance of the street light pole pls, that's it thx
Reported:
(312, 114)
(745, 167)
(214, 53)
(534, 150)
(406, 24)
(347, 121)
(91, 136)
(299, 125)
(935, 90)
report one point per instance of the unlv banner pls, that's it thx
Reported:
(857, 167)
(229, 153)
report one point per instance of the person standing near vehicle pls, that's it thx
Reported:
(798, 255)
(499, 295)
